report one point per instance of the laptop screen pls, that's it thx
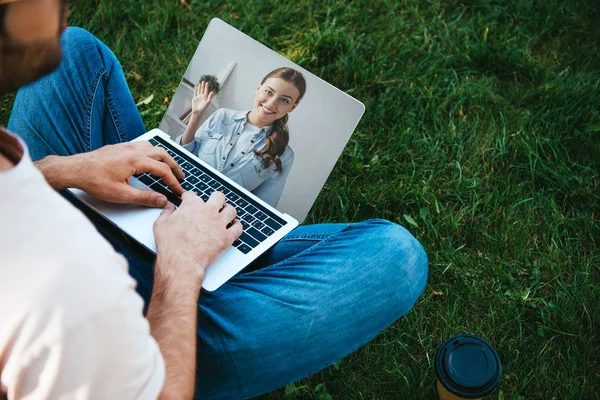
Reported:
(243, 131)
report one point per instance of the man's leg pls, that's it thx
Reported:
(319, 294)
(81, 106)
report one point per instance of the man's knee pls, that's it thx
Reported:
(75, 37)
(407, 265)
(81, 47)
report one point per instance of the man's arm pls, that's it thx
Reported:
(60, 172)
(173, 315)
(188, 240)
(105, 173)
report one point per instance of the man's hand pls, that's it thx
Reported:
(192, 237)
(105, 173)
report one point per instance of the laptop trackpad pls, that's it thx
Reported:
(137, 221)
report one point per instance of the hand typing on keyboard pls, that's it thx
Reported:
(257, 222)
(193, 236)
(105, 173)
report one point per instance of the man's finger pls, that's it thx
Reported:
(228, 213)
(235, 230)
(210, 96)
(216, 199)
(161, 154)
(148, 198)
(163, 171)
(168, 210)
(188, 194)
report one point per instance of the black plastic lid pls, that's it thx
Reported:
(468, 366)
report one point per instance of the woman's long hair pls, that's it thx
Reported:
(279, 138)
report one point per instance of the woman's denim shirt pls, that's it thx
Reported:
(215, 139)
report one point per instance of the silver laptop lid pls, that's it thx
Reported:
(319, 127)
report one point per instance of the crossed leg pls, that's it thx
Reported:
(319, 294)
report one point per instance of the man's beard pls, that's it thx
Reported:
(22, 64)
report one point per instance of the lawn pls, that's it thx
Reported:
(481, 136)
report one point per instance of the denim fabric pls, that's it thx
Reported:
(81, 106)
(215, 139)
(317, 295)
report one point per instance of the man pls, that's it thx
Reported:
(72, 322)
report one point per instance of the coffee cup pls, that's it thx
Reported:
(467, 367)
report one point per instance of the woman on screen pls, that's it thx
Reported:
(250, 147)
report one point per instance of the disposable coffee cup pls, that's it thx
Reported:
(467, 367)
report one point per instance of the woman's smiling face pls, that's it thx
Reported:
(274, 98)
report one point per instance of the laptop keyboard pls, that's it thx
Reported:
(259, 223)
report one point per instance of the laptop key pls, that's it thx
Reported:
(154, 142)
(146, 179)
(204, 178)
(256, 234)
(172, 197)
(248, 218)
(163, 184)
(251, 209)
(187, 186)
(213, 184)
(236, 243)
(233, 197)
(258, 224)
(261, 215)
(249, 240)
(244, 248)
(267, 231)
(242, 203)
(201, 185)
(272, 223)
(195, 171)
(192, 179)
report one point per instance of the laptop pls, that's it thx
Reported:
(319, 127)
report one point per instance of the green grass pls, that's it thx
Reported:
(481, 136)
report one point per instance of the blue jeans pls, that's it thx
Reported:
(319, 294)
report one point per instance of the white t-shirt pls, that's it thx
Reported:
(71, 323)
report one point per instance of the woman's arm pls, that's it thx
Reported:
(200, 103)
